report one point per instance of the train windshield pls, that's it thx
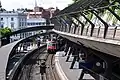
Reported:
(51, 44)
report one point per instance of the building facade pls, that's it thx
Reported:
(13, 20)
(31, 22)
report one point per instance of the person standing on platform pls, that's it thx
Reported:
(38, 42)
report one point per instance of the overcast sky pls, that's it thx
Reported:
(14, 4)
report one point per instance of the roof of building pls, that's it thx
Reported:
(11, 13)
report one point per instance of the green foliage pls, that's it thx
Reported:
(114, 18)
(5, 31)
(109, 16)
(89, 16)
(116, 10)
(75, 1)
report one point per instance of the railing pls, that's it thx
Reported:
(98, 32)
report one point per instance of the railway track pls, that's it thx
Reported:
(27, 68)
(51, 73)
(31, 69)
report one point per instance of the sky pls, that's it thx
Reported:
(14, 4)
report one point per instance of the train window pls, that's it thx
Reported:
(49, 44)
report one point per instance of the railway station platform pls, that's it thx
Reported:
(64, 71)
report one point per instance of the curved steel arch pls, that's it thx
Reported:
(35, 28)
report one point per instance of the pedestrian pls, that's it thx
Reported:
(38, 42)
(42, 67)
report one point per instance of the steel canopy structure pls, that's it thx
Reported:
(82, 5)
(93, 26)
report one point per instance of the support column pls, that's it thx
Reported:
(82, 75)
(105, 24)
(68, 44)
(70, 18)
(76, 56)
(92, 25)
(70, 52)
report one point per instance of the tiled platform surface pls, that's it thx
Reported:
(70, 74)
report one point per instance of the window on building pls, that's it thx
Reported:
(1, 19)
(2, 25)
(39, 23)
(28, 24)
(22, 19)
(12, 25)
(43, 23)
(25, 24)
(33, 23)
(20, 24)
(12, 19)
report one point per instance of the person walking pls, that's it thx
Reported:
(38, 42)
(42, 69)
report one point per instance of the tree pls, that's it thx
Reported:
(75, 0)
(5, 31)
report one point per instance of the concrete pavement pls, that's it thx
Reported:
(64, 71)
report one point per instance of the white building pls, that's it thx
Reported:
(35, 19)
(13, 20)
(36, 22)
(33, 22)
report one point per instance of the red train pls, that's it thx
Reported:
(51, 46)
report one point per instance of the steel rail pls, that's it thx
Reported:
(51, 68)
(27, 70)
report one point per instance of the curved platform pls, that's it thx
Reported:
(64, 71)
(4, 55)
